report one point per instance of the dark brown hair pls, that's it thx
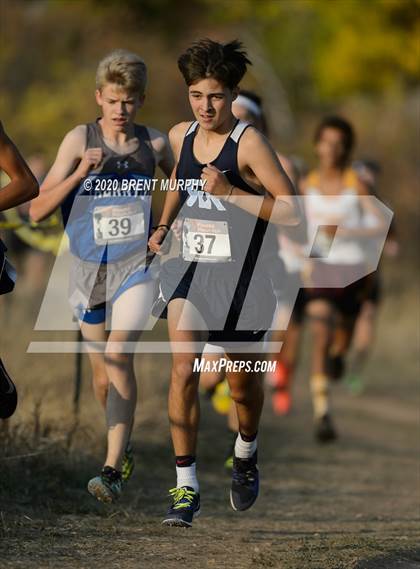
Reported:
(226, 63)
(341, 125)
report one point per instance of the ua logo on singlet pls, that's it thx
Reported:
(205, 200)
(122, 165)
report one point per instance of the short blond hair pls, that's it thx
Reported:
(125, 69)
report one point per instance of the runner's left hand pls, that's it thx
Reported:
(216, 182)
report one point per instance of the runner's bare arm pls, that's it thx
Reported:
(170, 210)
(287, 166)
(22, 186)
(256, 155)
(162, 150)
(172, 203)
(71, 165)
(295, 233)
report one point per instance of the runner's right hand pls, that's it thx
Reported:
(90, 159)
(156, 240)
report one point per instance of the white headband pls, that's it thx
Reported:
(248, 104)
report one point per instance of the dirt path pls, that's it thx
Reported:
(352, 505)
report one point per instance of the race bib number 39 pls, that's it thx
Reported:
(206, 241)
(118, 223)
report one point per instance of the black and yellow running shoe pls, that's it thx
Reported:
(228, 464)
(128, 463)
(185, 506)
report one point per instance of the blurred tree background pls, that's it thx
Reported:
(311, 57)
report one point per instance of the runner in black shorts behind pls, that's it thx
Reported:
(333, 197)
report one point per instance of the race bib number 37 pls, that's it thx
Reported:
(206, 241)
(117, 224)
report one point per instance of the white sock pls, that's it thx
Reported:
(186, 476)
(319, 384)
(244, 449)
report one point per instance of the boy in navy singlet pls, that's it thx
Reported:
(230, 184)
